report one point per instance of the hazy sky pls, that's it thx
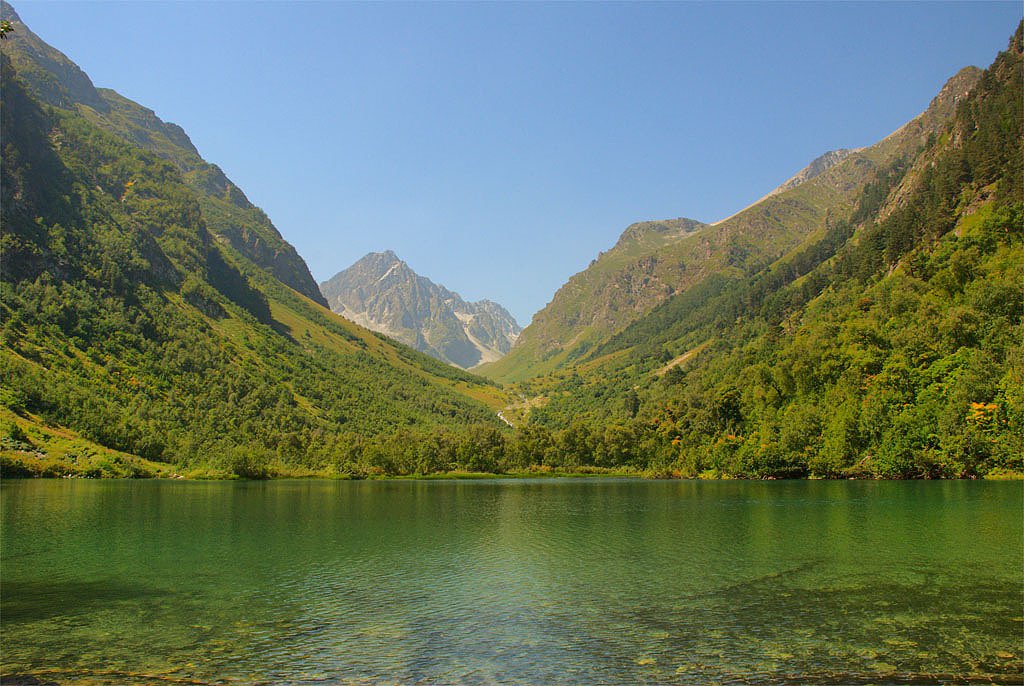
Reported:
(497, 147)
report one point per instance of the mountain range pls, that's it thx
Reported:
(382, 293)
(864, 319)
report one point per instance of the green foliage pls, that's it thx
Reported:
(886, 345)
(53, 79)
(248, 462)
(654, 278)
(124, 319)
(138, 311)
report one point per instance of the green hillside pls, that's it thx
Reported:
(618, 286)
(637, 275)
(55, 80)
(130, 325)
(889, 342)
(867, 320)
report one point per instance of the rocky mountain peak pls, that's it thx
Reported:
(376, 262)
(381, 292)
(664, 228)
(958, 85)
(817, 166)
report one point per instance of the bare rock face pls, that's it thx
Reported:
(816, 167)
(382, 293)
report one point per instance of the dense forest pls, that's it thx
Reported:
(137, 340)
(891, 344)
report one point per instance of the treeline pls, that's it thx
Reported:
(892, 345)
(632, 447)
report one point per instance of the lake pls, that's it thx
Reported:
(547, 581)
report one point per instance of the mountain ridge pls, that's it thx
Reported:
(886, 344)
(631, 279)
(866, 323)
(127, 321)
(57, 81)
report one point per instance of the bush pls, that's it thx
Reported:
(13, 468)
(248, 462)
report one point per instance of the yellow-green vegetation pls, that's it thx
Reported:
(864, 323)
(534, 472)
(655, 261)
(887, 344)
(56, 81)
(31, 448)
(127, 320)
(1000, 474)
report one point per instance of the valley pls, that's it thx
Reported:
(781, 447)
(862, 320)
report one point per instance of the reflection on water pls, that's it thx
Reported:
(511, 582)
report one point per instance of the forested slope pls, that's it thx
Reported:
(865, 322)
(55, 80)
(128, 320)
(890, 343)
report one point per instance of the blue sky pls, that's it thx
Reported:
(497, 147)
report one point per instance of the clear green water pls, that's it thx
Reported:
(512, 582)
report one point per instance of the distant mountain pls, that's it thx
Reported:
(655, 261)
(382, 293)
(618, 286)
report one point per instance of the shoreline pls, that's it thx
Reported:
(168, 473)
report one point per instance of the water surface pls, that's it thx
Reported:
(511, 582)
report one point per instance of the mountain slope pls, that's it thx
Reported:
(382, 293)
(126, 319)
(618, 286)
(630, 280)
(57, 81)
(890, 344)
(817, 167)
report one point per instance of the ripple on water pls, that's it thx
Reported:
(594, 582)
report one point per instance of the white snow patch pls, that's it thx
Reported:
(388, 273)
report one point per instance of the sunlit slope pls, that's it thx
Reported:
(618, 286)
(675, 256)
(127, 320)
(888, 343)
